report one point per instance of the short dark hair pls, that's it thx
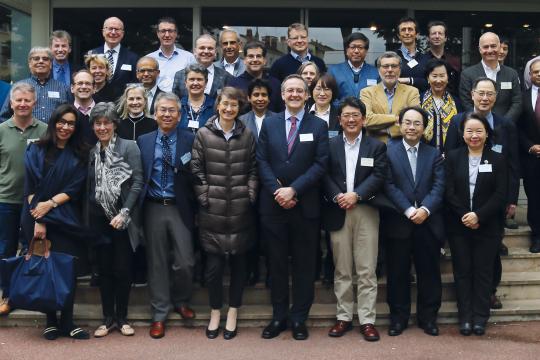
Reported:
(328, 81)
(475, 116)
(352, 102)
(355, 36)
(259, 83)
(418, 109)
(435, 63)
(166, 19)
(437, 23)
(480, 79)
(504, 40)
(407, 19)
(255, 45)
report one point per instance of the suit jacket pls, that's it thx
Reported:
(219, 81)
(368, 180)
(249, 120)
(239, 67)
(158, 90)
(345, 78)
(528, 127)
(404, 190)
(508, 102)
(183, 184)
(489, 196)
(302, 169)
(124, 69)
(380, 121)
(505, 135)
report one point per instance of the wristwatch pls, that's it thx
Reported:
(55, 204)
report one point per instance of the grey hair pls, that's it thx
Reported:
(388, 55)
(104, 110)
(37, 49)
(166, 96)
(197, 68)
(230, 30)
(294, 76)
(22, 87)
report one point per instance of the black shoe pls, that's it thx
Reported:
(94, 279)
(299, 331)
(479, 329)
(535, 246)
(511, 223)
(503, 250)
(465, 328)
(429, 328)
(274, 329)
(77, 334)
(51, 333)
(396, 328)
(228, 334)
(212, 334)
(252, 279)
(495, 302)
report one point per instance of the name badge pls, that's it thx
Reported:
(332, 133)
(193, 124)
(30, 141)
(484, 168)
(506, 85)
(412, 63)
(54, 94)
(366, 162)
(306, 137)
(185, 158)
(126, 67)
(371, 82)
(497, 148)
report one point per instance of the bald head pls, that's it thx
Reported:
(147, 71)
(113, 31)
(489, 45)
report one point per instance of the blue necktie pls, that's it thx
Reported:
(167, 161)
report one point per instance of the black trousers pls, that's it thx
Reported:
(115, 267)
(531, 174)
(473, 256)
(300, 235)
(424, 249)
(215, 264)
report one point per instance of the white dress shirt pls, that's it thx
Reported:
(490, 73)
(324, 115)
(259, 122)
(210, 79)
(230, 67)
(534, 96)
(351, 159)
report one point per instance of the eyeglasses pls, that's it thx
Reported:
(62, 123)
(389, 66)
(416, 124)
(357, 47)
(166, 31)
(83, 83)
(321, 88)
(42, 58)
(142, 71)
(354, 116)
(488, 94)
(113, 29)
(164, 110)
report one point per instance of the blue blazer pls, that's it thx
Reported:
(303, 169)
(345, 78)
(183, 185)
(404, 191)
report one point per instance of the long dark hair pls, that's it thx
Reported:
(75, 142)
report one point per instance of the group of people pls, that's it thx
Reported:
(178, 153)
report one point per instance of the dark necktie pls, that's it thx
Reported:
(167, 160)
(110, 59)
(292, 134)
(537, 106)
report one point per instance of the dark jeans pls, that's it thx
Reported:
(115, 263)
(10, 220)
(215, 264)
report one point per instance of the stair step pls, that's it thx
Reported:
(519, 259)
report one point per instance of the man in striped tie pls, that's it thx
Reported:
(292, 153)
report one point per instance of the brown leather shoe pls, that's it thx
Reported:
(157, 330)
(369, 332)
(340, 328)
(5, 308)
(185, 312)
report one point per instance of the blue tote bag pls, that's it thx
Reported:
(38, 283)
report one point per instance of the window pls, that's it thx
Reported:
(14, 44)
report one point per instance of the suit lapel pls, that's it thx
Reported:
(381, 96)
(251, 124)
(340, 152)
(420, 162)
(148, 150)
(365, 149)
(481, 177)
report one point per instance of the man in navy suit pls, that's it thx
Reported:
(168, 205)
(292, 153)
(415, 185)
(122, 61)
(354, 74)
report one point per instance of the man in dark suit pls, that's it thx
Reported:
(205, 54)
(121, 60)
(357, 169)
(230, 52)
(292, 153)
(147, 74)
(484, 97)
(168, 205)
(413, 62)
(508, 104)
(415, 185)
(529, 142)
(258, 92)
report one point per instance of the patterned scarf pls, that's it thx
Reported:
(111, 172)
(441, 112)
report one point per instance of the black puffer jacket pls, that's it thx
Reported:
(227, 171)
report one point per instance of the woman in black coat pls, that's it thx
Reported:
(477, 182)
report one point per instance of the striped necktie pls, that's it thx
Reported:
(292, 134)
(110, 59)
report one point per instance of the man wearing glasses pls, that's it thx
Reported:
(297, 42)
(354, 74)
(49, 92)
(121, 60)
(148, 73)
(169, 57)
(385, 100)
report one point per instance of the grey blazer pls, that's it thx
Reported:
(130, 189)
(239, 67)
(249, 120)
(508, 104)
(220, 79)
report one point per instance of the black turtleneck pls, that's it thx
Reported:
(133, 127)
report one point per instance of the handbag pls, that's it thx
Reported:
(35, 282)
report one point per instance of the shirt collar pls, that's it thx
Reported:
(313, 110)
(407, 146)
(218, 126)
(82, 109)
(406, 53)
(356, 141)
(487, 68)
(153, 90)
(210, 69)
(172, 135)
(107, 48)
(11, 123)
(354, 68)
(299, 116)
(225, 63)
(296, 56)
(387, 90)
(534, 88)
(176, 51)
(57, 66)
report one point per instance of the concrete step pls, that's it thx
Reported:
(519, 259)
(259, 315)
(517, 238)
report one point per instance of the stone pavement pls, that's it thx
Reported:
(516, 341)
